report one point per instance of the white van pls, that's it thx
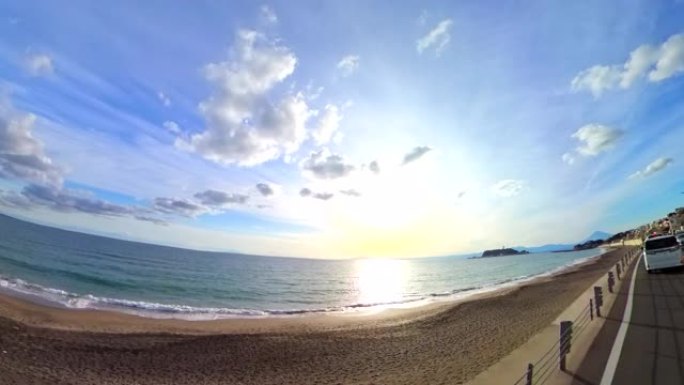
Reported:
(662, 251)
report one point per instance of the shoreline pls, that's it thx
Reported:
(46, 316)
(36, 311)
(443, 344)
(16, 289)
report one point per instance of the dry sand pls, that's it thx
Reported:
(438, 344)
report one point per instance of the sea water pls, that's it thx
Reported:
(84, 271)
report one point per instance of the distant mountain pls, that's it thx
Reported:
(597, 235)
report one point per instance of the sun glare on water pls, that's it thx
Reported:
(380, 281)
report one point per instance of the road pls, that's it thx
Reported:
(653, 346)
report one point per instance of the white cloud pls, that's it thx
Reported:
(508, 187)
(267, 14)
(568, 158)
(172, 127)
(654, 167)
(671, 59)
(324, 165)
(639, 61)
(243, 125)
(348, 65)
(596, 138)
(258, 64)
(438, 38)
(327, 125)
(596, 79)
(164, 99)
(39, 64)
(21, 155)
(657, 62)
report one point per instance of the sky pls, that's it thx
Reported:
(330, 129)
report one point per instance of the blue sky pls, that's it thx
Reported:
(342, 129)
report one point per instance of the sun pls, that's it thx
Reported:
(391, 203)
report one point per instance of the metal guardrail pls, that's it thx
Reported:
(556, 356)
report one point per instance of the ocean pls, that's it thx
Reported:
(76, 270)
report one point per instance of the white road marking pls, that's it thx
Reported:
(614, 358)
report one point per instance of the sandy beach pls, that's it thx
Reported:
(445, 343)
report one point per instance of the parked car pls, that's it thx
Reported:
(662, 252)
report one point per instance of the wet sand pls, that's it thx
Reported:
(446, 343)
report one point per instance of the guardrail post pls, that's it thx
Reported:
(591, 309)
(611, 281)
(598, 299)
(565, 341)
(617, 270)
(530, 372)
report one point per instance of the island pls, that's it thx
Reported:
(502, 252)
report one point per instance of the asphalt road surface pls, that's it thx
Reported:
(653, 348)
